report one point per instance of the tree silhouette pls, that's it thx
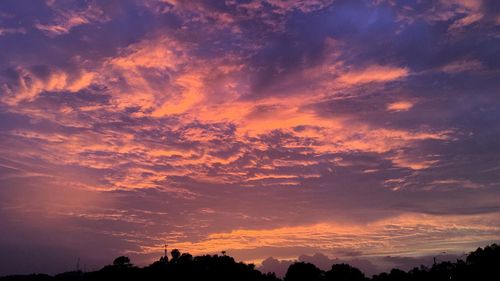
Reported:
(344, 272)
(481, 265)
(301, 271)
(122, 262)
(175, 254)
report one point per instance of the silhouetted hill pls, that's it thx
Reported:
(483, 264)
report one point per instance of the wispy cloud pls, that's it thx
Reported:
(69, 19)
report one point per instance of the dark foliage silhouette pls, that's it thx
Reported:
(303, 271)
(175, 255)
(482, 264)
(122, 262)
(344, 272)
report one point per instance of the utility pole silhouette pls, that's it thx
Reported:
(164, 259)
(78, 264)
(437, 256)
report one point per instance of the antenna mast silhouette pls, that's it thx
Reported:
(165, 253)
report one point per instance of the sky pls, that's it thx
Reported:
(364, 131)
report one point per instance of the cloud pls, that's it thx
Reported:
(462, 66)
(378, 238)
(28, 85)
(400, 106)
(17, 30)
(191, 95)
(279, 267)
(465, 21)
(69, 19)
(374, 73)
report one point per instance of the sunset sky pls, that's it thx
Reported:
(330, 130)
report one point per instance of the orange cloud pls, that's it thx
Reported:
(391, 236)
(159, 76)
(191, 94)
(400, 106)
(374, 73)
(30, 86)
(163, 53)
(67, 20)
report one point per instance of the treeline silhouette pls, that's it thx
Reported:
(482, 265)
